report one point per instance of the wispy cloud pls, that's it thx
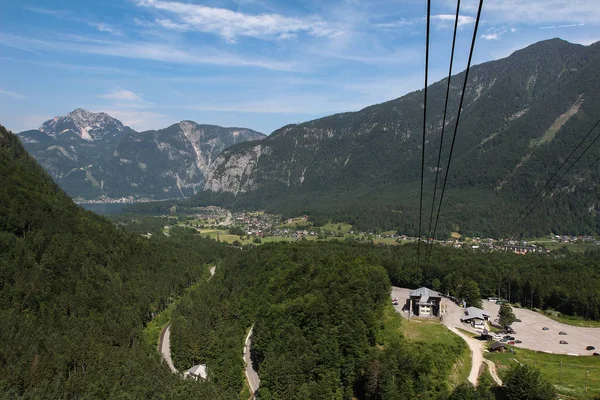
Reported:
(12, 94)
(561, 26)
(139, 120)
(131, 109)
(150, 51)
(67, 15)
(121, 94)
(533, 12)
(14, 46)
(230, 24)
(401, 23)
(102, 27)
(490, 36)
(92, 69)
(462, 19)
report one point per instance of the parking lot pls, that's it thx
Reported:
(530, 332)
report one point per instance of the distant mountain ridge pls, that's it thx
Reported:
(522, 115)
(93, 155)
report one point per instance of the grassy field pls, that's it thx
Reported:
(574, 247)
(432, 331)
(345, 228)
(569, 379)
(427, 330)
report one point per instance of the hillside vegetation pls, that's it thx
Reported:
(75, 293)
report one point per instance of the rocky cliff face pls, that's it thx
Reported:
(503, 98)
(92, 155)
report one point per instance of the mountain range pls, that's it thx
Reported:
(521, 118)
(93, 155)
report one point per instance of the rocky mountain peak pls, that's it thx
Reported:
(82, 123)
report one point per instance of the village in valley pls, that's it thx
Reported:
(257, 227)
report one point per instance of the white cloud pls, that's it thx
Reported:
(121, 94)
(232, 24)
(490, 36)
(12, 94)
(462, 19)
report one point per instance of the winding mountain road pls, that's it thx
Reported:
(165, 346)
(251, 375)
(164, 341)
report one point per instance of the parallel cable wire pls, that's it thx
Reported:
(424, 126)
(462, 96)
(510, 227)
(437, 173)
(558, 180)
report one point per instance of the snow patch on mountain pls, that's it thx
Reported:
(86, 124)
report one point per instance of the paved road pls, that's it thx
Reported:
(530, 332)
(251, 375)
(165, 346)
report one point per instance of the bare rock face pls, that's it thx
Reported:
(93, 155)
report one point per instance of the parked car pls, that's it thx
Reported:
(518, 341)
(503, 340)
(511, 342)
(545, 328)
(563, 342)
(518, 320)
(590, 348)
(562, 333)
(596, 354)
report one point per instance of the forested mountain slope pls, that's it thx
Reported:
(92, 155)
(75, 293)
(522, 115)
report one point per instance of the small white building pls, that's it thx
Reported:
(475, 316)
(198, 371)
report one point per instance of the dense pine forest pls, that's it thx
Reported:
(76, 292)
(317, 310)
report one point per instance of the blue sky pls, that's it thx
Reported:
(259, 64)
